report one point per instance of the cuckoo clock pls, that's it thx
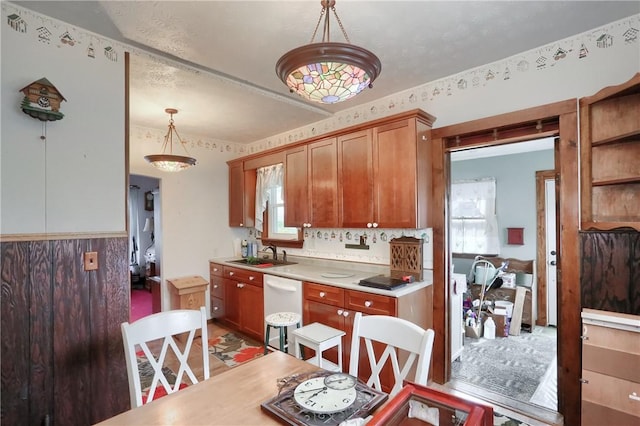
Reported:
(42, 101)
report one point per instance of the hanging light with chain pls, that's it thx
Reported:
(328, 72)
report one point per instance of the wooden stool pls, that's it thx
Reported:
(281, 320)
(320, 337)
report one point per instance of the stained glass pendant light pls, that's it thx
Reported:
(328, 72)
(170, 162)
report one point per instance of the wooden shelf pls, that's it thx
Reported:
(610, 148)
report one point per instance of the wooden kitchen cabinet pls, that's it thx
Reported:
(311, 185)
(242, 195)
(610, 374)
(610, 149)
(296, 191)
(374, 174)
(355, 174)
(243, 301)
(335, 307)
(216, 291)
(385, 175)
(402, 166)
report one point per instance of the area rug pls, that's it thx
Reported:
(234, 350)
(146, 377)
(511, 366)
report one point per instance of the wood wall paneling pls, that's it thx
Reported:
(610, 271)
(63, 361)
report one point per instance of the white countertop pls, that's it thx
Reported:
(334, 272)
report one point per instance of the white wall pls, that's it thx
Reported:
(74, 182)
(511, 84)
(194, 215)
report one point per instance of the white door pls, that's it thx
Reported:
(550, 221)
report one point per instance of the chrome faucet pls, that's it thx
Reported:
(274, 250)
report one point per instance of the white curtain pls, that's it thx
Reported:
(474, 226)
(134, 226)
(267, 178)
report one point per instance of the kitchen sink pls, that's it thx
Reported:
(258, 263)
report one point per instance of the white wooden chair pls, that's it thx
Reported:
(396, 333)
(166, 326)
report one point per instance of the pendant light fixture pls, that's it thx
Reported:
(170, 162)
(328, 72)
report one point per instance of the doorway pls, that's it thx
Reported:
(145, 238)
(556, 119)
(487, 366)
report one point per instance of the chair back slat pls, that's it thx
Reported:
(396, 334)
(169, 327)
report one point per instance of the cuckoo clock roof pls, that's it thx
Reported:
(43, 81)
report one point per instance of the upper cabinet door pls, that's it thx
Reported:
(609, 157)
(242, 195)
(236, 194)
(395, 162)
(296, 192)
(355, 174)
(323, 183)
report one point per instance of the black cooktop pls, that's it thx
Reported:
(380, 281)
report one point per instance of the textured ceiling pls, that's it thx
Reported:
(215, 60)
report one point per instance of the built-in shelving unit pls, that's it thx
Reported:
(610, 157)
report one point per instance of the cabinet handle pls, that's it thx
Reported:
(240, 285)
(368, 303)
(215, 286)
(242, 224)
(345, 314)
(215, 308)
(215, 269)
(340, 311)
(375, 225)
(634, 396)
(230, 273)
(251, 278)
(322, 294)
(369, 224)
(584, 381)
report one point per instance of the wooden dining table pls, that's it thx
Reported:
(230, 398)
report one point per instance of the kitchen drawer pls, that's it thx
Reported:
(327, 294)
(611, 393)
(612, 352)
(371, 304)
(217, 288)
(216, 269)
(243, 275)
(217, 307)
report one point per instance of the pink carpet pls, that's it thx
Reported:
(140, 304)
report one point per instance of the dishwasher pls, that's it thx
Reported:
(281, 295)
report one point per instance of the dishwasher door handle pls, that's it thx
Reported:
(288, 288)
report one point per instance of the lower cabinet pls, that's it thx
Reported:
(238, 296)
(336, 307)
(610, 373)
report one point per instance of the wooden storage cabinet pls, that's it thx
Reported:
(385, 175)
(610, 148)
(375, 174)
(242, 195)
(243, 301)
(335, 307)
(610, 373)
(216, 292)
(321, 182)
